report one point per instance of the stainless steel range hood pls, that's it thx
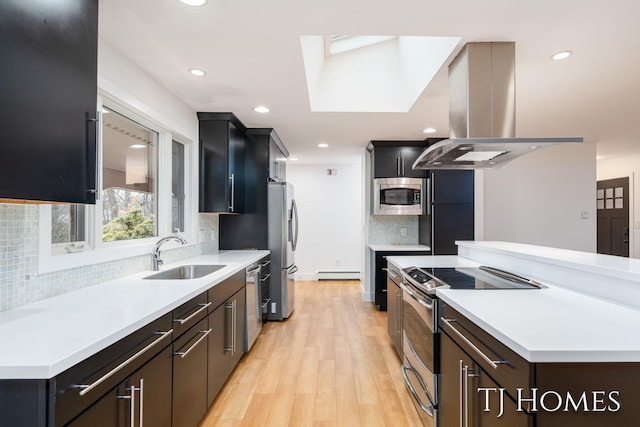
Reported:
(482, 113)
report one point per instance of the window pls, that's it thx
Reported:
(129, 159)
(144, 190)
(68, 226)
(177, 186)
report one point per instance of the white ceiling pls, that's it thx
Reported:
(251, 51)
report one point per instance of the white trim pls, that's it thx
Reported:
(99, 251)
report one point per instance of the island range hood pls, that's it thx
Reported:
(482, 113)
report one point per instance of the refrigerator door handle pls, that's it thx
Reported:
(294, 213)
(292, 269)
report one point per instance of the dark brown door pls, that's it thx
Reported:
(613, 216)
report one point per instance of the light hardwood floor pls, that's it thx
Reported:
(330, 364)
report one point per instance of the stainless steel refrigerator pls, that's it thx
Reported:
(283, 238)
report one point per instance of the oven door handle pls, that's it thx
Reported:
(420, 301)
(426, 408)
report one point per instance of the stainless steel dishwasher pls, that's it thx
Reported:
(253, 322)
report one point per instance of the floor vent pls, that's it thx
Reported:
(338, 275)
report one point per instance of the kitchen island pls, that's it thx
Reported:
(577, 339)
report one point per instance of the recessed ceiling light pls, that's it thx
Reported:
(428, 130)
(193, 2)
(261, 109)
(323, 145)
(561, 55)
(197, 72)
(136, 146)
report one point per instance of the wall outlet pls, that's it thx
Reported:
(403, 232)
(338, 263)
(584, 215)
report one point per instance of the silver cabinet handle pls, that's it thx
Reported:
(462, 395)
(493, 363)
(398, 166)
(232, 306)
(87, 388)
(183, 354)
(254, 271)
(391, 273)
(265, 278)
(141, 402)
(265, 304)
(265, 263)
(402, 160)
(234, 314)
(194, 314)
(232, 178)
(132, 407)
(398, 313)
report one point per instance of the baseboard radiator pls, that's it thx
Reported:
(338, 275)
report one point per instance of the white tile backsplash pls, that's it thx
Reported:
(387, 229)
(20, 283)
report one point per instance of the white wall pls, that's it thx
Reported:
(621, 168)
(540, 198)
(331, 222)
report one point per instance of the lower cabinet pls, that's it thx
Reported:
(144, 398)
(469, 397)
(165, 374)
(225, 341)
(189, 381)
(394, 308)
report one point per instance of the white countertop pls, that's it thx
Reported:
(398, 248)
(547, 325)
(43, 339)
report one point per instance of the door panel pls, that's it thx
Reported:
(612, 198)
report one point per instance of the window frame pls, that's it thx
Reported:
(55, 257)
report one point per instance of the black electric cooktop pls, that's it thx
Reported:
(469, 278)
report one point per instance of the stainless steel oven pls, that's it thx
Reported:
(421, 335)
(420, 347)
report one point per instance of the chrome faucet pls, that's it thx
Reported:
(156, 262)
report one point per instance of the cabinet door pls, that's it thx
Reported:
(48, 102)
(217, 361)
(238, 302)
(236, 169)
(394, 313)
(189, 376)
(392, 162)
(154, 383)
(469, 396)
(104, 412)
(214, 170)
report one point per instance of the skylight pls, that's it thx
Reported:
(336, 44)
(371, 73)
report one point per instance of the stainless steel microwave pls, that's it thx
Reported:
(400, 196)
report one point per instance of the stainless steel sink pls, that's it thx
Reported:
(185, 272)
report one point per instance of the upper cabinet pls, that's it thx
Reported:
(276, 165)
(48, 82)
(222, 170)
(393, 159)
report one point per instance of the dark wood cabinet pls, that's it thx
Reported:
(482, 381)
(222, 170)
(392, 159)
(264, 163)
(380, 274)
(394, 308)
(469, 396)
(189, 379)
(226, 341)
(48, 105)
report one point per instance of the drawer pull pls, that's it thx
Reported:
(265, 263)
(493, 363)
(183, 354)
(194, 314)
(87, 388)
(265, 278)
